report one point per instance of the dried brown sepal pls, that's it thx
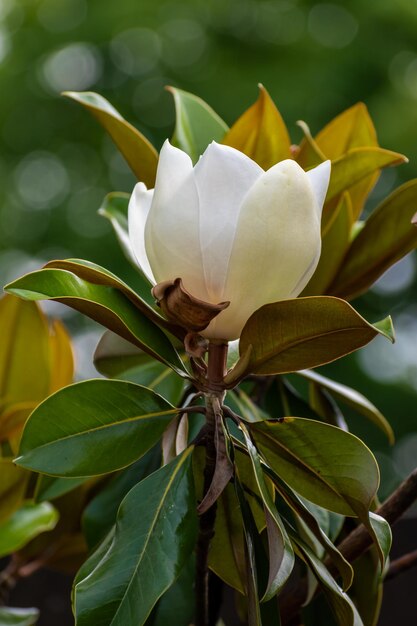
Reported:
(195, 345)
(181, 307)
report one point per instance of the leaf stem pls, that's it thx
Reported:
(216, 369)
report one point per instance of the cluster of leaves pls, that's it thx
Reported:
(296, 473)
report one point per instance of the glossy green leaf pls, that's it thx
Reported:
(367, 589)
(335, 242)
(116, 423)
(116, 358)
(155, 533)
(18, 617)
(325, 406)
(139, 153)
(281, 555)
(260, 133)
(313, 517)
(382, 534)
(105, 304)
(177, 605)
(25, 524)
(343, 608)
(352, 398)
(254, 611)
(98, 275)
(386, 237)
(51, 487)
(197, 124)
(227, 550)
(100, 513)
(324, 464)
(296, 334)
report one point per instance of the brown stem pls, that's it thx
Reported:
(357, 542)
(216, 368)
(402, 564)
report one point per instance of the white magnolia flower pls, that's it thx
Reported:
(229, 230)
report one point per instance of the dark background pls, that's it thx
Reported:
(316, 59)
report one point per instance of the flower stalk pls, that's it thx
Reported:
(216, 370)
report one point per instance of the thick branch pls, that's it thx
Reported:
(357, 542)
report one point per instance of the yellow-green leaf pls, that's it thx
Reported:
(13, 483)
(335, 242)
(24, 352)
(385, 238)
(139, 153)
(261, 133)
(62, 357)
(357, 164)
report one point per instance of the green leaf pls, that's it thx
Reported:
(343, 608)
(98, 275)
(100, 513)
(116, 358)
(254, 612)
(25, 524)
(296, 334)
(352, 398)
(197, 124)
(281, 555)
(116, 423)
(155, 533)
(312, 516)
(139, 153)
(324, 464)
(50, 487)
(260, 133)
(382, 533)
(177, 605)
(386, 237)
(18, 617)
(367, 589)
(104, 304)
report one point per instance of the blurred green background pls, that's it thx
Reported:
(315, 58)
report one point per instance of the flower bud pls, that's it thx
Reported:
(231, 231)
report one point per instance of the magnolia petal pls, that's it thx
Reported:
(172, 236)
(223, 177)
(139, 205)
(276, 247)
(319, 178)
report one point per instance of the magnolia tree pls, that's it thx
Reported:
(199, 470)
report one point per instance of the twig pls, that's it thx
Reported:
(402, 564)
(357, 542)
